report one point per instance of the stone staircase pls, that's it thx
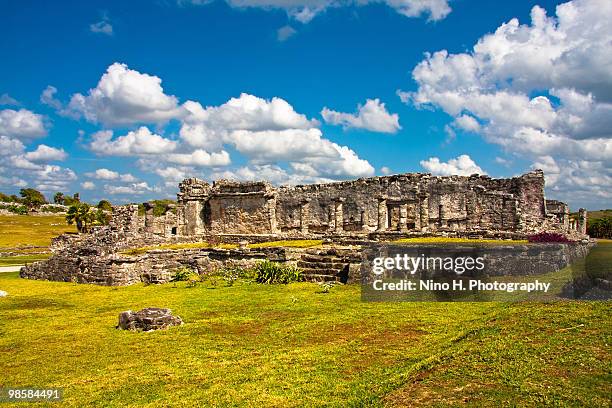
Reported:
(332, 264)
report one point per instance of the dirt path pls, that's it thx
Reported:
(14, 268)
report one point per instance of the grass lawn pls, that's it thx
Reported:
(293, 243)
(289, 345)
(296, 243)
(25, 230)
(22, 259)
(451, 240)
(28, 236)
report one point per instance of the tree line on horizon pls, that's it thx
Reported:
(81, 214)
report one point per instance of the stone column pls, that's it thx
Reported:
(125, 218)
(582, 226)
(566, 218)
(469, 214)
(339, 215)
(442, 216)
(516, 215)
(271, 204)
(424, 212)
(194, 224)
(305, 216)
(417, 215)
(169, 220)
(403, 218)
(149, 217)
(382, 215)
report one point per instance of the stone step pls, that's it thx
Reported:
(321, 278)
(322, 265)
(316, 258)
(329, 258)
(314, 264)
(331, 272)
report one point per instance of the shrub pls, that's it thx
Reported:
(182, 274)
(52, 209)
(326, 286)
(105, 205)
(548, 237)
(600, 228)
(271, 272)
(32, 198)
(81, 215)
(15, 209)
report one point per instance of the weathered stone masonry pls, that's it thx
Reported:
(417, 203)
(344, 213)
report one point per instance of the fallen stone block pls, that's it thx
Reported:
(148, 319)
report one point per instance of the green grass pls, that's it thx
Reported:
(298, 243)
(450, 240)
(295, 243)
(22, 259)
(555, 354)
(25, 230)
(19, 233)
(593, 215)
(287, 345)
(176, 247)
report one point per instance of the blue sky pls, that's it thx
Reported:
(526, 97)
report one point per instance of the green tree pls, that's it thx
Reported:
(105, 205)
(102, 217)
(72, 200)
(81, 215)
(32, 198)
(600, 228)
(58, 198)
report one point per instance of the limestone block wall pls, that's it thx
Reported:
(318, 264)
(349, 206)
(400, 203)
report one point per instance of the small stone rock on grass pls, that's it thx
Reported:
(3, 293)
(148, 319)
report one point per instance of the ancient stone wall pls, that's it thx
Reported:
(401, 203)
(317, 264)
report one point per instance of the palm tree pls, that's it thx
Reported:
(58, 198)
(81, 215)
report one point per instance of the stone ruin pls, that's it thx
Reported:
(402, 204)
(342, 213)
(148, 319)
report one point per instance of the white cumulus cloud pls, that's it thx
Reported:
(460, 166)
(124, 97)
(134, 188)
(88, 185)
(371, 116)
(106, 174)
(10, 146)
(200, 157)
(22, 124)
(44, 153)
(137, 142)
